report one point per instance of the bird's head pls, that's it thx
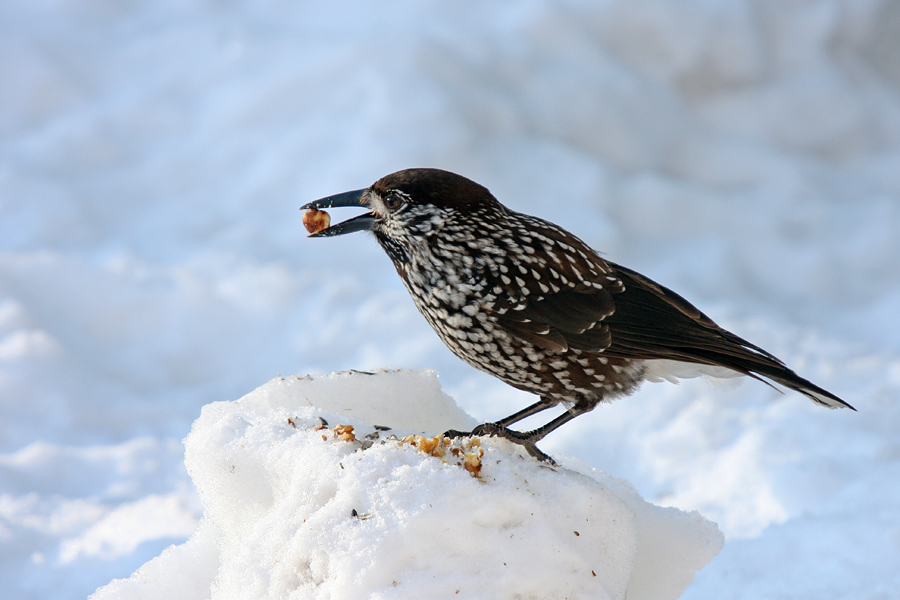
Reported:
(407, 207)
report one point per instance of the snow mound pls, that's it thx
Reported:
(292, 510)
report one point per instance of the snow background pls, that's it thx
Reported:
(153, 156)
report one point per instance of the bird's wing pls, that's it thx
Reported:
(653, 322)
(624, 314)
(562, 320)
(558, 303)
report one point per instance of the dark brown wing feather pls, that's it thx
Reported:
(536, 333)
(653, 322)
(565, 319)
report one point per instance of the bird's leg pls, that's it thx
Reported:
(579, 408)
(529, 439)
(536, 435)
(540, 405)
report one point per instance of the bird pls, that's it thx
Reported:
(530, 303)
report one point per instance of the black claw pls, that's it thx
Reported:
(540, 455)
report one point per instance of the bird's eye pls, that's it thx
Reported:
(392, 202)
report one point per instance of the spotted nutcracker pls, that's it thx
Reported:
(528, 302)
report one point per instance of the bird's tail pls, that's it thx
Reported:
(791, 380)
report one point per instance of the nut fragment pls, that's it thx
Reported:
(316, 220)
(472, 462)
(344, 432)
(428, 445)
(466, 453)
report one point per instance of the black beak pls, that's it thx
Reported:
(355, 198)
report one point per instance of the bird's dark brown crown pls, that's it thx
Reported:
(434, 186)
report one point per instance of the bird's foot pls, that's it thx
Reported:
(525, 439)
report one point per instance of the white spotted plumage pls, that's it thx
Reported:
(530, 303)
(461, 276)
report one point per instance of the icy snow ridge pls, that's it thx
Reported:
(291, 511)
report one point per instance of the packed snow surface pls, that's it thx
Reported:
(153, 156)
(293, 511)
